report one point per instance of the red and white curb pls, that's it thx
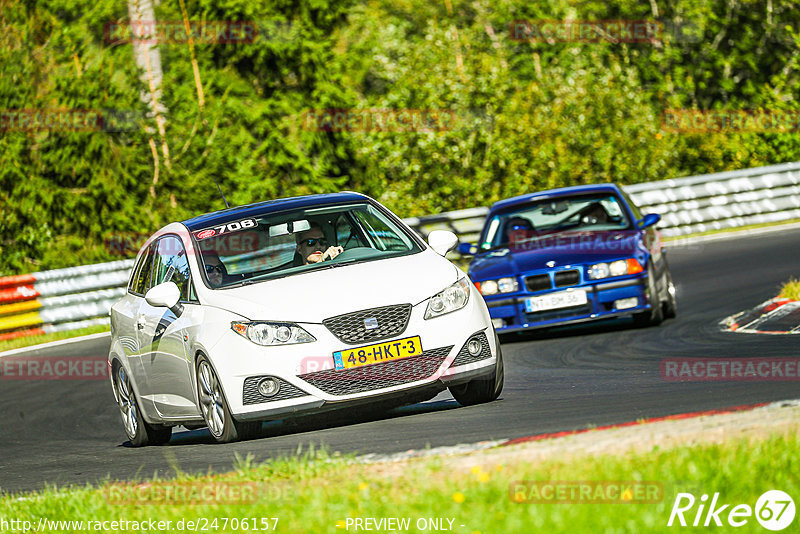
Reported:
(774, 316)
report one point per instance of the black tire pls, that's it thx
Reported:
(214, 407)
(655, 316)
(482, 390)
(139, 431)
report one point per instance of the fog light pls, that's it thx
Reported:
(474, 347)
(623, 304)
(269, 387)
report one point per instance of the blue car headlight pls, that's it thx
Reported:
(501, 285)
(615, 268)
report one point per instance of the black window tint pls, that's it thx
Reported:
(139, 284)
(135, 273)
(346, 234)
(171, 265)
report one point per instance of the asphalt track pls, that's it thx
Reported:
(69, 432)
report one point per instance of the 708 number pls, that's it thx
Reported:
(234, 226)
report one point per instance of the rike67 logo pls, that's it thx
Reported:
(774, 510)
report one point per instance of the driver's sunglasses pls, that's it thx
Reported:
(211, 269)
(519, 227)
(321, 241)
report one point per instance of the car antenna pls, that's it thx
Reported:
(220, 192)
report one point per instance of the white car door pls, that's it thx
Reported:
(165, 360)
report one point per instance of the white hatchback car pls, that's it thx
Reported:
(290, 307)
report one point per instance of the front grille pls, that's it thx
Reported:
(567, 278)
(464, 357)
(379, 375)
(350, 328)
(538, 282)
(250, 395)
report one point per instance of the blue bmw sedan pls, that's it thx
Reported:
(571, 255)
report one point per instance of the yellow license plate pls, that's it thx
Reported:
(377, 353)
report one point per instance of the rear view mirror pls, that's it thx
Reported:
(290, 227)
(554, 208)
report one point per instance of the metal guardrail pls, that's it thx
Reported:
(723, 200)
(77, 297)
(686, 205)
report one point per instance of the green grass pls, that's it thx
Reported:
(791, 289)
(315, 491)
(8, 344)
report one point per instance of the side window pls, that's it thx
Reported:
(634, 208)
(172, 265)
(346, 235)
(142, 272)
(384, 237)
(135, 273)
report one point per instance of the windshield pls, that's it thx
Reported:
(529, 222)
(275, 245)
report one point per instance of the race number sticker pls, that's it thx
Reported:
(226, 228)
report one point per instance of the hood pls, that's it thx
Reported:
(313, 296)
(564, 249)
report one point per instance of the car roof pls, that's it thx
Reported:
(260, 208)
(501, 205)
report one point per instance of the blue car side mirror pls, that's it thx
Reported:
(648, 220)
(466, 249)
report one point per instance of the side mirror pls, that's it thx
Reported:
(648, 220)
(166, 295)
(442, 241)
(467, 249)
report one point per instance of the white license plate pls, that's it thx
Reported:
(554, 301)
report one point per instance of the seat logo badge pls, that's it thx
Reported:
(371, 323)
(551, 264)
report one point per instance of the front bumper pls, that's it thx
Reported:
(509, 315)
(309, 383)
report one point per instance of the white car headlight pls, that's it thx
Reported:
(598, 270)
(618, 268)
(489, 287)
(451, 299)
(507, 285)
(502, 285)
(268, 334)
(615, 268)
